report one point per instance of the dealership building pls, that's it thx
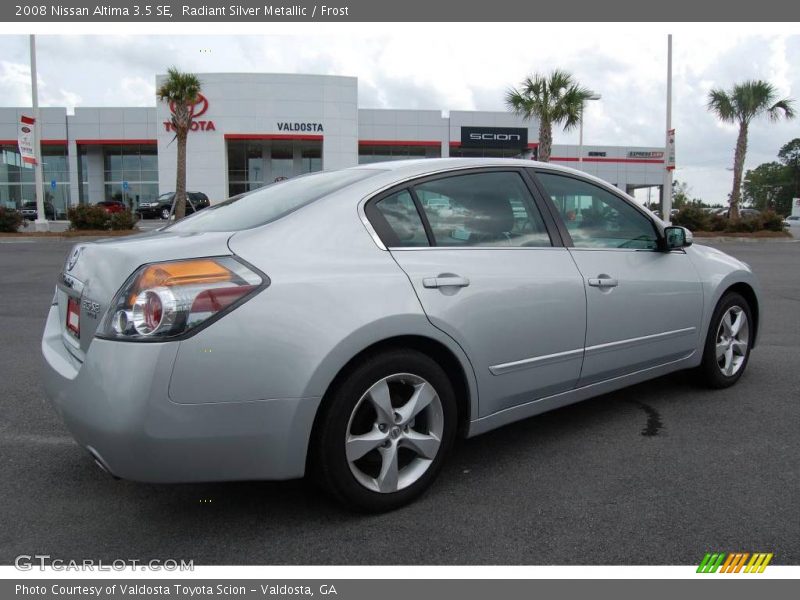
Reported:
(251, 128)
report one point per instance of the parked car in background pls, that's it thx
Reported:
(112, 206)
(163, 207)
(29, 211)
(792, 221)
(744, 213)
(356, 330)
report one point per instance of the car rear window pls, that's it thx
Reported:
(270, 203)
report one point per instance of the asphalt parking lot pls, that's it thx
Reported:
(656, 474)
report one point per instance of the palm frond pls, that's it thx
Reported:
(721, 103)
(782, 108)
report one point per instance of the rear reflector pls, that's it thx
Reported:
(73, 316)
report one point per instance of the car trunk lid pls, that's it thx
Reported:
(94, 272)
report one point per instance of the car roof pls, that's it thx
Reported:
(404, 169)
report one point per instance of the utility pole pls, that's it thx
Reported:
(594, 96)
(41, 223)
(666, 195)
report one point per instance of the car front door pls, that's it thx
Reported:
(479, 253)
(643, 304)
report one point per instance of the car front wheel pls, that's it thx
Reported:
(384, 431)
(165, 213)
(728, 342)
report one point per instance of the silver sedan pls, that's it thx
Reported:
(349, 324)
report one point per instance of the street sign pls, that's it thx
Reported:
(125, 185)
(52, 184)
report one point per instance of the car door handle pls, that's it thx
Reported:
(603, 282)
(438, 282)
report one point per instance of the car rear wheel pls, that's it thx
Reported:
(384, 432)
(728, 342)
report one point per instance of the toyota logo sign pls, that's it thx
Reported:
(197, 109)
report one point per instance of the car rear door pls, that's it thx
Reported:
(490, 270)
(643, 304)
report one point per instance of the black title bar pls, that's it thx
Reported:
(405, 10)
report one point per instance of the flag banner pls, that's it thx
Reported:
(25, 140)
(671, 150)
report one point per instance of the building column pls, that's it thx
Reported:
(74, 173)
(95, 174)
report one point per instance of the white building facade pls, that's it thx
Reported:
(251, 128)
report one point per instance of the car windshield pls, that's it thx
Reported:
(269, 203)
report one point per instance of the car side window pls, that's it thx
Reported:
(398, 221)
(597, 218)
(482, 209)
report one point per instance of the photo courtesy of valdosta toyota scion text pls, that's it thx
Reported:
(295, 288)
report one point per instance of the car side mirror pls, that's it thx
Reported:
(677, 237)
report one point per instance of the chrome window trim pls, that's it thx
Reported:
(440, 248)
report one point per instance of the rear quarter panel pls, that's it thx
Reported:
(332, 294)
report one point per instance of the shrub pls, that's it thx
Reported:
(746, 225)
(88, 216)
(10, 219)
(772, 221)
(693, 218)
(717, 222)
(122, 221)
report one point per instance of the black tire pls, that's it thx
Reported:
(709, 370)
(328, 459)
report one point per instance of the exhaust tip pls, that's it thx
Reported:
(98, 460)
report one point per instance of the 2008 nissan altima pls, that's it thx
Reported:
(349, 324)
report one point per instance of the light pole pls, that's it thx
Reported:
(666, 198)
(580, 129)
(41, 223)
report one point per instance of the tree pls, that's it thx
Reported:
(181, 91)
(742, 104)
(554, 99)
(680, 194)
(789, 155)
(769, 187)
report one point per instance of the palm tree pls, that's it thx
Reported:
(745, 102)
(553, 99)
(181, 91)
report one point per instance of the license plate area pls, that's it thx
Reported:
(74, 316)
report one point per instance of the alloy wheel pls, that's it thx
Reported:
(394, 433)
(733, 338)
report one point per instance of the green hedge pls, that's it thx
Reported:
(695, 218)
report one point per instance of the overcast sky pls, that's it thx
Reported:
(454, 66)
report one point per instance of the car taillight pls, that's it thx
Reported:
(166, 300)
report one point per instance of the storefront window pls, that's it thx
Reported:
(312, 160)
(17, 180)
(131, 173)
(372, 153)
(245, 166)
(253, 164)
(459, 152)
(282, 162)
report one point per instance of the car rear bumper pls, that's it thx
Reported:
(149, 212)
(116, 405)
